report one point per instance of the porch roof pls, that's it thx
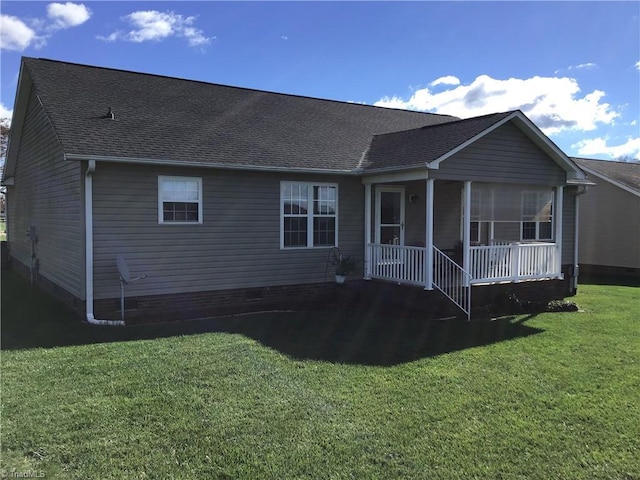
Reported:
(419, 146)
(430, 145)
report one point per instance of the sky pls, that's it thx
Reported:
(572, 67)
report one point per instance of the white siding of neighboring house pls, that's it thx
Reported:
(609, 226)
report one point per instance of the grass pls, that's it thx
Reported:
(321, 395)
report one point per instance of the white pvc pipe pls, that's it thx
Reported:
(576, 263)
(88, 228)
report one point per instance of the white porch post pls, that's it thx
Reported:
(367, 231)
(557, 217)
(466, 227)
(428, 235)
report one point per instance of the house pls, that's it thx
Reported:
(609, 219)
(224, 196)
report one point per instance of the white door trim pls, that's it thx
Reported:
(394, 189)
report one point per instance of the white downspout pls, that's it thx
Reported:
(576, 226)
(88, 241)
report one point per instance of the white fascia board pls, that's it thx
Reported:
(173, 163)
(573, 170)
(611, 181)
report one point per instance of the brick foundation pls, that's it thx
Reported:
(357, 296)
(608, 271)
(77, 305)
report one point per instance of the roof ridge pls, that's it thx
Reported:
(499, 116)
(247, 89)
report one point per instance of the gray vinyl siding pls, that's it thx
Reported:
(236, 246)
(414, 234)
(609, 226)
(505, 155)
(48, 195)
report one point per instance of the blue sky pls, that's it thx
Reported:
(572, 67)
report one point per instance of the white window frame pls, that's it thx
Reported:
(537, 238)
(161, 219)
(310, 215)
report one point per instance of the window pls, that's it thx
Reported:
(537, 215)
(179, 200)
(309, 215)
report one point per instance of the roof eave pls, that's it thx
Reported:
(220, 166)
(20, 105)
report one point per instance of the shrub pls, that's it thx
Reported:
(561, 306)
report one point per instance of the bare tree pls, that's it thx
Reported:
(628, 159)
(4, 137)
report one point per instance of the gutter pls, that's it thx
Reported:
(88, 228)
(221, 166)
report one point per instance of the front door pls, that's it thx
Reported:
(390, 215)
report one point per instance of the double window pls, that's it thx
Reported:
(308, 215)
(179, 200)
(537, 215)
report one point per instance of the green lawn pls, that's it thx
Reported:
(322, 395)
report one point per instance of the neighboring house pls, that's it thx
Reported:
(609, 218)
(223, 195)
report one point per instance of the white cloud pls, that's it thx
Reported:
(582, 66)
(5, 112)
(595, 146)
(552, 103)
(15, 34)
(448, 80)
(638, 65)
(65, 15)
(151, 25)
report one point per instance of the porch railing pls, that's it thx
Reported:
(452, 280)
(514, 262)
(497, 263)
(398, 263)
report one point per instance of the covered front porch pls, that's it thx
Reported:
(451, 235)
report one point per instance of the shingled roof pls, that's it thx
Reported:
(425, 144)
(176, 120)
(624, 173)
